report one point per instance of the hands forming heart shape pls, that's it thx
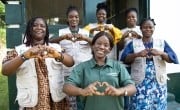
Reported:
(101, 89)
(73, 37)
(101, 86)
(41, 52)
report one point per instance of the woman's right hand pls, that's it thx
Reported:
(131, 34)
(91, 89)
(135, 35)
(143, 53)
(98, 28)
(41, 51)
(68, 36)
(34, 52)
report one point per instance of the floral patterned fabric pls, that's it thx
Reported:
(150, 95)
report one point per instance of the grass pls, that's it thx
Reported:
(3, 93)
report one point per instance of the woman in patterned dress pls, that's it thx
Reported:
(147, 57)
(37, 64)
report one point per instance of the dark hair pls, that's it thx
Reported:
(102, 6)
(71, 8)
(130, 10)
(146, 19)
(28, 39)
(103, 33)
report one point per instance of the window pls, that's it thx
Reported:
(54, 11)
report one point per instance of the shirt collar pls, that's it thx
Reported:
(108, 62)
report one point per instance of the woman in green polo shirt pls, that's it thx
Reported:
(102, 82)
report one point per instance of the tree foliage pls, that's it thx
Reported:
(2, 24)
(2, 10)
(2, 15)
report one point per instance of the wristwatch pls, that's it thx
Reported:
(23, 57)
(125, 92)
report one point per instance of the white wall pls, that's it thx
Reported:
(167, 18)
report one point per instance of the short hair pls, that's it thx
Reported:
(103, 33)
(71, 8)
(130, 10)
(100, 6)
(146, 19)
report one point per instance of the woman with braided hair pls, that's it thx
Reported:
(37, 64)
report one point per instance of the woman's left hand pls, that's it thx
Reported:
(135, 35)
(42, 52)
(107, 27)
(155, 52)
(78, 37)
(111, 90)
(50, 52)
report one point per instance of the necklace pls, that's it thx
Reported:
(74, 30)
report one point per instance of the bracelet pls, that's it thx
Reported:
(61, 57)
(23, 57)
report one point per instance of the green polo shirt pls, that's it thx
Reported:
(112, 72)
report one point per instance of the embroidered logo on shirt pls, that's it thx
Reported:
(112, 74)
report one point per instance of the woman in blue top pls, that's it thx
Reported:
(147, 57)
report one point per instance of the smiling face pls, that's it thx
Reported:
(131, 19)
(73, 18)
(101, 47)
(101, 16)
(38, 30)
(147, 28)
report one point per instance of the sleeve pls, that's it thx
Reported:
(64, 31)
(84, 32)
(125, 77)
(172, 55)
(117, 33)
(127, 50)
(76, 76)
(60, 32)
(87, 27)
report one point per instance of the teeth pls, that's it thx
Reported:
(39, 32)
(101, 52)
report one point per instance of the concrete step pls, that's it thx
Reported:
(173, 105)
(170, 97)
